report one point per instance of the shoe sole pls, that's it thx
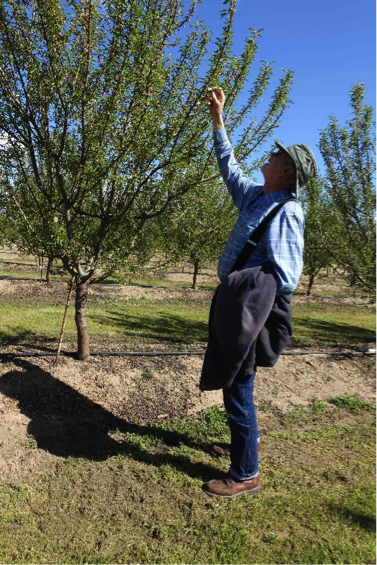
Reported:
(251, 492)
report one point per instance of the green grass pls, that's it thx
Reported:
(320, 410)
(323, 324)
(26, 269)
(161, 282)
(144, 502)
(351, 403)
(27, 320)
(172, 322)
(140, 320)
(18, 261)
(164, 321)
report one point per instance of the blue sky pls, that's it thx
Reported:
(329, 44)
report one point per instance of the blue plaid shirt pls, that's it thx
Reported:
(282, 244)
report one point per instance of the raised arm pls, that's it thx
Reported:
(241, 188)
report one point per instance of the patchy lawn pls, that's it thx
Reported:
(142, 501)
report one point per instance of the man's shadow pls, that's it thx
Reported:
(67, 424)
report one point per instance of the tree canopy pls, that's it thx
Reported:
(349, 155)
(103, 124)
(316, 255)
(198, 226)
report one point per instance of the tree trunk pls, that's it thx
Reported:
(196, 271)
(48, 271)
(311, 282)
(40, 261)
(80, 319)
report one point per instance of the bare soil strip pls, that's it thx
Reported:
(50, 411)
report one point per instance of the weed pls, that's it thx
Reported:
(30, 442)
(71, 461)
(298, 415)
(148, 374)
(294, 415)
(351, 403)
(319, 406)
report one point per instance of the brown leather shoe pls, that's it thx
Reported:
(218, 451)
(229, 487)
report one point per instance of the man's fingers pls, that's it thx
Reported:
(219, 93)
(212, 95)
(216, 96)
(215, 99)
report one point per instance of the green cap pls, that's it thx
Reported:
(304, 161)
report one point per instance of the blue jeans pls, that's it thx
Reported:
(239, 403)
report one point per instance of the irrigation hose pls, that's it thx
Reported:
(174, 353)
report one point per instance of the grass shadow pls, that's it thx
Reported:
(363, 520)
(321, 331)
(160, 326)
(25, 338)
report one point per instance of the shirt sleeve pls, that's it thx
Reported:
(241, 188)
(285, 245)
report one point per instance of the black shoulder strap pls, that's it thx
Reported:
(256, 236)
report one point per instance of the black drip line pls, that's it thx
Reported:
(171, 353)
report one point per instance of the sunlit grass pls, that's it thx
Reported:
(170, 321)
(31, 319)
(144, 503)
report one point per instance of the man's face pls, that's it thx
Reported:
(277, 166)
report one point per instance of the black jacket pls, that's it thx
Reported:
(249, 326)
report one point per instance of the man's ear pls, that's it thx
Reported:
(289, 171)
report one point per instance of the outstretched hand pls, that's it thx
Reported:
(215, 104)
(215, 101)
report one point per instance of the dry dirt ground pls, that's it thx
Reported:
(49, 411)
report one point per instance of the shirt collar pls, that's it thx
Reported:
(278, 196)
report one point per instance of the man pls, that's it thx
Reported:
(281, 248)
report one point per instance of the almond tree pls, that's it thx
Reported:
(103, 124)
(349, 156)
(197, 227)
(316, 256)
